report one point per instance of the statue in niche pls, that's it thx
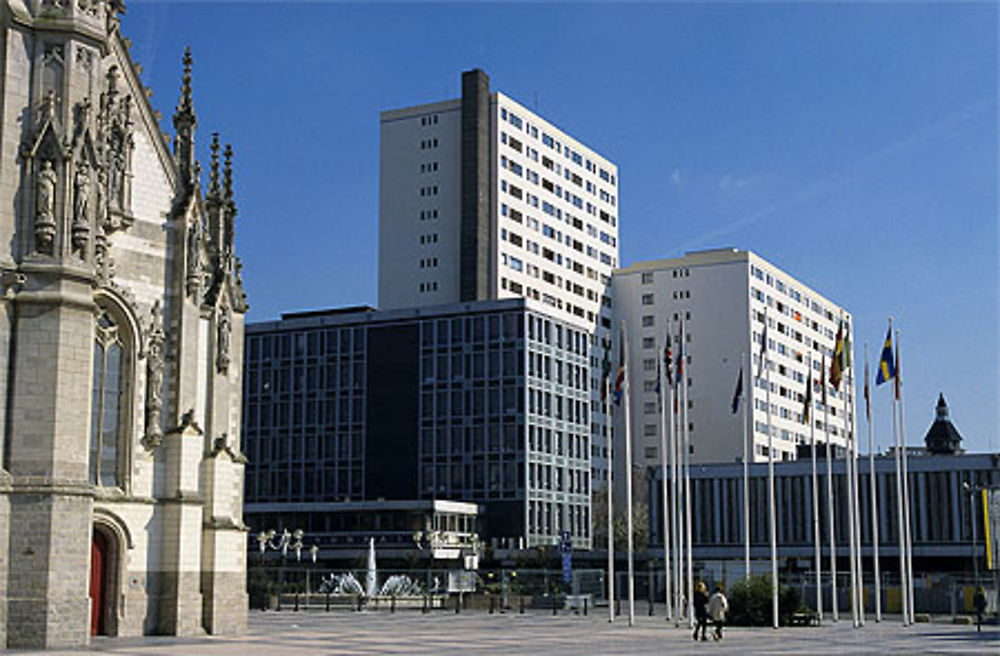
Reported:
(47, 180)
(154, 378)
(81, 193)
(193, 258)
(224, 330)
(102, 204)
(117, 167)
(45, 222)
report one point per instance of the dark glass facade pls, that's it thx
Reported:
(483, 402)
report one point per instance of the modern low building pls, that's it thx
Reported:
(942, 515)
(480, 198)
(483, 402)
(723, 298)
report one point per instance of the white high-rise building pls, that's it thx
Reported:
(480, 198)
(723, 297)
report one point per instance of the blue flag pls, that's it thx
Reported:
(887, 365)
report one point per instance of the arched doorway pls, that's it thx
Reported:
(102, 561)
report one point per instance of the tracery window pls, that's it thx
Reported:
(107, 401)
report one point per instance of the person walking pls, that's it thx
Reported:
(979, 601)
(718, 606)
(701, 610)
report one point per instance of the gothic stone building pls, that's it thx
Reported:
(121, 340)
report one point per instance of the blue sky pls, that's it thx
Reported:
(854, 145)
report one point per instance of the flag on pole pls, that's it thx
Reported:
(868, 393)
(763, 350)
(837, 361)
(620, 379)
(899, 373)
(807, 403)
(659, 395)
(668, 360)
(738, 394)
(605, 370)
(887, 365)
(821, 381)
(680, 356)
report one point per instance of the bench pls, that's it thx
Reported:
(804, 619)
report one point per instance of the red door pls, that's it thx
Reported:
(98, 592)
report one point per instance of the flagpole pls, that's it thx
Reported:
(681, 351)
(676, 501)
(772, 509)
(840, 364)
(873, 491)
(906, 491)
(899, 500)
(830, 523)
(609, 424)
(857, 503)
(817, 542)
(849, 480)
(626, 402)
(746, 469)
(663, 477)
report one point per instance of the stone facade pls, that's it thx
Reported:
(121, 334)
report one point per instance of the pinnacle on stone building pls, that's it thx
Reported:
(121, 333)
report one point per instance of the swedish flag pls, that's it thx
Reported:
(887, 365)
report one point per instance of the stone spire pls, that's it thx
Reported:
(185, 122)
(213, 171)
(942, 437)
(227, 198)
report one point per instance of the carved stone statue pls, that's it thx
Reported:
(193, 258)
(45, 221)
(224, 329)
(81, 193)
(154, 378)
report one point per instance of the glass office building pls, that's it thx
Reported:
(485, 402)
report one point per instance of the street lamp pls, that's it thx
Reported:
(270, 539)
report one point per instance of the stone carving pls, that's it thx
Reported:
(114, 127)
(45, 221)
(84, 57)
(81, 204)
(154, 379)
(81, 193)
(224, 329)
(223, 444)
(193, 280)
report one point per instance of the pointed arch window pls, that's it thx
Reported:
(107, 402)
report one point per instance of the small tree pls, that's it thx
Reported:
(750, 602)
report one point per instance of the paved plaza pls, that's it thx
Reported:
(411, 632)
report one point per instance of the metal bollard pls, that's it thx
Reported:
(521, 609)
(392, 604)
(328, 602)
(585, 606)
(458, 604)
(296, 609)
(359, 603)
(618, 606)
(554, 611)
(492, 604)
(650, 606)
(424, 609)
